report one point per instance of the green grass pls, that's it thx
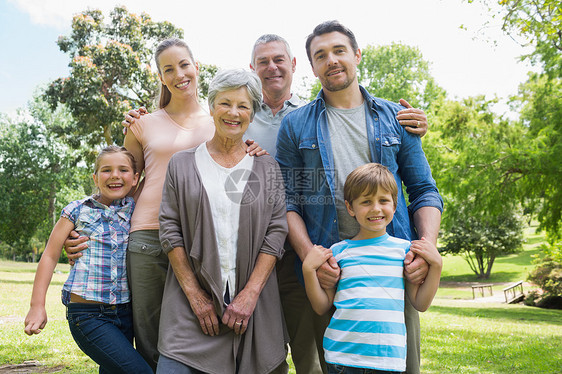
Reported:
(54, 346)
(463, 337)
(459, 335)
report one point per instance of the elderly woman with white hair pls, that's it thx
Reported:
(223, 225)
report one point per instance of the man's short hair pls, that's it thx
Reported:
(268, 38)
(328, 27)
(366, 180)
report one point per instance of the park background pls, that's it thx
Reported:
(487, 73)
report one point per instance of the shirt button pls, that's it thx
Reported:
(376, 119)
(334, 221)
(314, 146)
(377, 139)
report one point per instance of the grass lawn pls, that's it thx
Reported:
(459, 335)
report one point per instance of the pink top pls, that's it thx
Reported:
(160, 137)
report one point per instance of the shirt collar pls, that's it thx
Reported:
(116, 204)
(366, 95)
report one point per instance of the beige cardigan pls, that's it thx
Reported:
(186, 221)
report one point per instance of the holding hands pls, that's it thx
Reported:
(427, 250)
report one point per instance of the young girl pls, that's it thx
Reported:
(367, 333)
(96, 293)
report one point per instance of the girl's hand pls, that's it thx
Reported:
(427, 251)
(239, 311)
(35, 320)
(254, 148)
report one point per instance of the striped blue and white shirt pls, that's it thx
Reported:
(368, 328)
(101, 273)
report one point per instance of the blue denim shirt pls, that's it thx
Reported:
(305, 155)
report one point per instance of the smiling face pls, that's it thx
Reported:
(274, 67)
(334, 61)
(178, 72)
(373, 213)
(232, 113)
(114, 177)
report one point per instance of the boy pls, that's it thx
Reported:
(367, 330)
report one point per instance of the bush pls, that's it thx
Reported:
(548, 273)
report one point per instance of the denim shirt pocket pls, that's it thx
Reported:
(309, 150)
(390, 146)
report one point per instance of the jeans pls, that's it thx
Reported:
(340, 369)
(105, 333)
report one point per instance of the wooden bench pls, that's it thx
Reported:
(514, 293)
(481, 287)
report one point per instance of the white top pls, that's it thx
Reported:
(224, 187)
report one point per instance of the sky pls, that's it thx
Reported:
(464, 60)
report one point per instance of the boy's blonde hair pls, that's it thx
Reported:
(366, 179)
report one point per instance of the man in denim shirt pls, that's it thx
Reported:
(343, 128)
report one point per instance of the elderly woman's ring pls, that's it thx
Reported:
(238, 323)
(418, 124)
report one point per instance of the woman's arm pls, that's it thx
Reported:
(132, 144)
(239, 311)
(200, 302)
(422, 295)
(36, 318)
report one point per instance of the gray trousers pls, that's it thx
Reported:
(147, 267)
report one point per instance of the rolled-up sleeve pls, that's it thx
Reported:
(416, 175)
(273, 242)
(289, 160)
(169, 217)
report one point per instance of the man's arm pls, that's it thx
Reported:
(289, 160)
(426, 204)
(427, 221)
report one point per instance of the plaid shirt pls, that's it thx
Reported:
(100, 274)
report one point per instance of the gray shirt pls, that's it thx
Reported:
(350, 146)
(265, 126)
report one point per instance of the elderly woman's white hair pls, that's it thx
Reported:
(233, 79)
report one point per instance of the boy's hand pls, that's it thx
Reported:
(425, 249)
(316, 257)
(323, 262)
(35, 320)
(415, 268)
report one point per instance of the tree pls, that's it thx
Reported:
(470, 149)
(534, 23)
(481, 237)
(398, 71)
(395, 72)
(110, 73)
(34, 168)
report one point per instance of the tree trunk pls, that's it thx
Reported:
(107, 134)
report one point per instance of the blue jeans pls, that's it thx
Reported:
(340, 369)
(168, 365)
(105, 333)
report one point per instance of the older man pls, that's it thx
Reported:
(345, 127)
